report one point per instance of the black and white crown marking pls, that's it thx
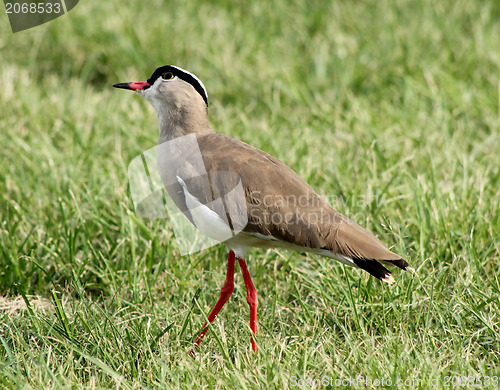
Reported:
(183, 75)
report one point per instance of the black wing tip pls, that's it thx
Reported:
(376, 269)
(400, 263)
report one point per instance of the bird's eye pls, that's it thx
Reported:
(167, 76)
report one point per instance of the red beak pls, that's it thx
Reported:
(138, 85)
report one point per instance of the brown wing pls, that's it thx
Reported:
(279, 203)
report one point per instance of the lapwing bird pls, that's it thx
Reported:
(275, 209)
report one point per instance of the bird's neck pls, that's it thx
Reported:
(182, 121)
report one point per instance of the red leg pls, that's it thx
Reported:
(252, 299)
(225, 292)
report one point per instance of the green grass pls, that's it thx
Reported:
(390, 108)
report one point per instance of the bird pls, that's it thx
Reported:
(275, 208)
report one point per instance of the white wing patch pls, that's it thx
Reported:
(205, 219)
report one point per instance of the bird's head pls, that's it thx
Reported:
(177, 95)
